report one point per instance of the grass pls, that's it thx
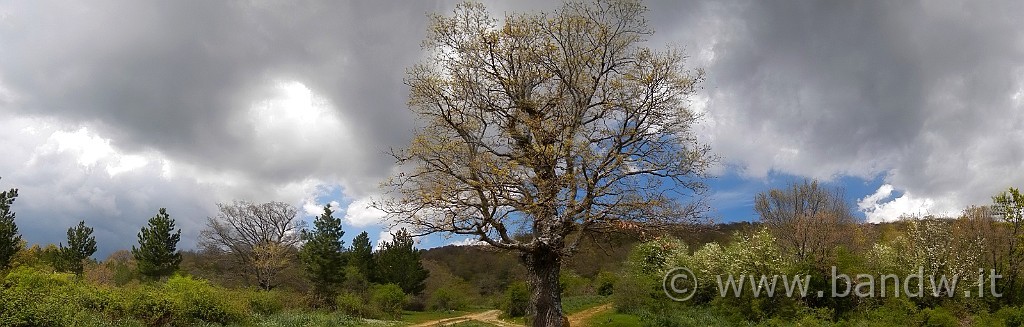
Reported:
(574, 304)
(612, 318)
(288, 319)
(571, 305)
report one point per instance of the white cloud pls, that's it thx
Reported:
(360, 213)
(467, 241)
(386, 235)
(383, 237)
(89, 149)
(293, 122)
(315, 209)
(871, 201)
(67, 173)
(878, 207)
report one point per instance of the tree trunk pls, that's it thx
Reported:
(544, 266)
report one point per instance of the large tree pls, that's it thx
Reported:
(807, 218)
(552, 126)
(81, 246)
(10, 239)
(157, 255)
(398, 262)
(323, 256)
(261, 237)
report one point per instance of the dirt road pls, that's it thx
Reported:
(578, 319)
(491, 317)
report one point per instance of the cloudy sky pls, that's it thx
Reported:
(110, 110)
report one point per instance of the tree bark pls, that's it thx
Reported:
(544, 266)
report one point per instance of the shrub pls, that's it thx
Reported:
(30, 297)
(1011, 316)
(181, 301)
(351, 304)
(355, 281)
(387, 300)
(657, 256)
(605, 283)
(937, 317)
(517, 299)
(146, 304)
(634, 292)
(196, 300)
(571, 284)
(893, 312)
(265, 302)
(450, 297)
(688, 316)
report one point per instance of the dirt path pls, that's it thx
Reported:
(579, 319)
(491, 317)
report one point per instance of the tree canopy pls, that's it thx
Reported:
(398, 262)
(259, 237)
(807, 218)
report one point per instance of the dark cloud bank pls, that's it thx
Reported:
(928, 95)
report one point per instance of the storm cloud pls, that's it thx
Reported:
(113, 109)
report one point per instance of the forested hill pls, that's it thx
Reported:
(489, 270)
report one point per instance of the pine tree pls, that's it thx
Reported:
(323, 256)
(361, 254)
(398, 262)
(81, 245)
(157, 254)
(10, 240)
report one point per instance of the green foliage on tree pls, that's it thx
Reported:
(10, 240)
(387, 300)
(157, 255)
(361, 254)
(323, 256)
(517, 299)
(398, 262)
(81, 245)
(1008, 207)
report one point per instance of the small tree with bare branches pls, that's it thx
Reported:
(261, 237)
(808, 219)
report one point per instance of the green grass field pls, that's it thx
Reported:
(612, 318)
